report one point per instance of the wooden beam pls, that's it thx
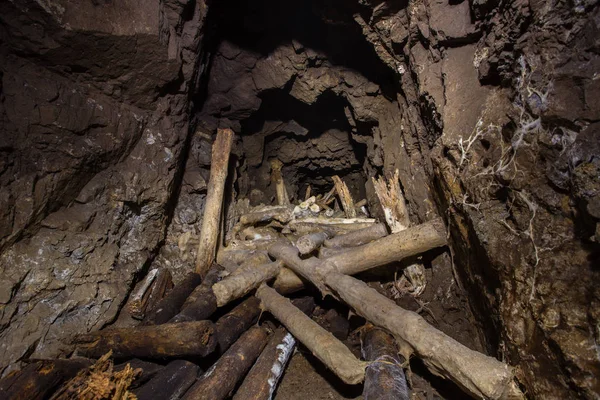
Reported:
(214, 201)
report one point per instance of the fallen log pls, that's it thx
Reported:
(170, 305)
(262, 380)
(357, 238)
(277, 180)
(38, 380)
(394, 247)
(170, 383)
(344, 195)
(384, 377)
(201, 303)
(231, 325)
(242, 281)
(479, 375)
(158, 341)
(214, 201)
(221, 379)
(232, 258)
(308, 243)
(333, 353)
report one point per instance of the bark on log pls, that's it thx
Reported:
(202, 303)
(308, 243)
(149, 370)
(170, 305)
(170, 383)
(209, 234)
(244, 280)
(333, 353)
(384, 377)
(221, 379)
(479, 375)
(262, 380)
(358, 238)
(277, 180)
(38, 380)
(231, 325)
(345, 198)
(159, 341)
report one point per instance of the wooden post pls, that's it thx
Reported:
(345, 197)
(333, 353)
(149, 292)
(38, 380)
(214, 201)
(170, 383)
(221, 379)
(170, 305)
(159, 341)
(384, 377)
(277, 180)
(479, 375)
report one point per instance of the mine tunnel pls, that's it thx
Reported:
(319, 199)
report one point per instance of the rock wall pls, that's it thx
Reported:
(94, 111)
(507, 93)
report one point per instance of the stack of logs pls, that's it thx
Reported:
(272, 251)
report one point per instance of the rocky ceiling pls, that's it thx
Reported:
(488, 108)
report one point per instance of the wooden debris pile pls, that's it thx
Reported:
(187, 347)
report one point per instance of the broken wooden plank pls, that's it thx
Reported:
(479, 375)
(392, 202)
(333, 353)
(170, 305)
(149, 292)
(277, 180)
(221, 379)
(214, 201)
(384, 377)
(38, 380)
(159, 341)
(345, 197)
(170, 383)
(358, 237)
(231, 325)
